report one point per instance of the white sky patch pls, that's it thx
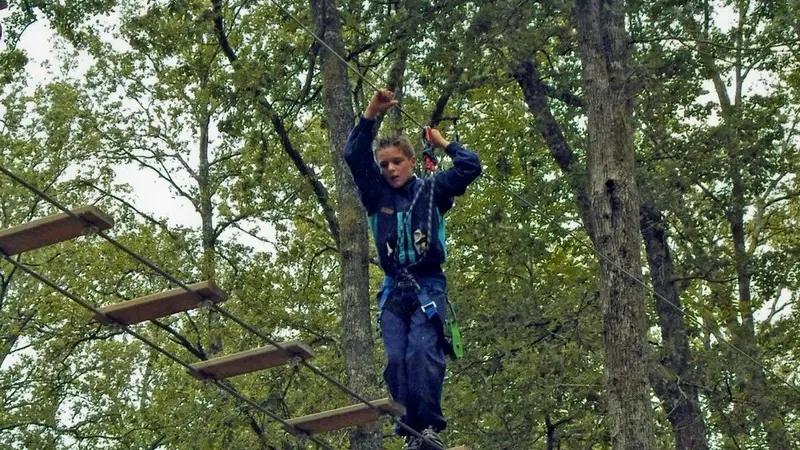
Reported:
(154, 196)
(37, 42)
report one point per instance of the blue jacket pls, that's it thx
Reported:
(386, 206)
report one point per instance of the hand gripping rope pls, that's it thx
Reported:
(430, 161)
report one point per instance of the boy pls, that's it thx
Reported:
(410, 239)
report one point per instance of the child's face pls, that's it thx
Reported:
(395, 166)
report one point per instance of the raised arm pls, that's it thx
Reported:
(358, 155)
(358, 150)
(466, 167)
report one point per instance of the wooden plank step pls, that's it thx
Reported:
(349, 416)
(461, 447)
(162, 304)
(252, 360)
(51, 230)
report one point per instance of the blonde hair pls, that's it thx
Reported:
(396, 140)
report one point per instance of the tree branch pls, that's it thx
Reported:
(127, 204)
(527, 75)
(320, 192)
(179, 339)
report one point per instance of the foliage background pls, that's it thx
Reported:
(135, 85)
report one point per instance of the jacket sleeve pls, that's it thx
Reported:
(359, 157)
(466, 168)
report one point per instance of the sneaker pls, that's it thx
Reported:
(433, 437)
(413, 443)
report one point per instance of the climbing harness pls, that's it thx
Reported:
(448, 331)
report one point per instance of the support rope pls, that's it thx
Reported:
(219, 383)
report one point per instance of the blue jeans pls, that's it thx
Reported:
(415, 361)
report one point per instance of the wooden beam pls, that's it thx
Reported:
(252, 360)
(162, 304)
(52, 230)
(461, 447)
(349, 416)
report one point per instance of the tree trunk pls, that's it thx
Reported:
(208, 241)
(675, 386)
(396, 82)
(614, 206)
(753, 379)
(527, 75)
(679, 395)
(357, 336)
(205, 201)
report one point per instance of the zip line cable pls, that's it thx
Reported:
(219, 383)
(41, 194)
(570, 233)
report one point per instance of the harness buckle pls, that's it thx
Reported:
(429, 308)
